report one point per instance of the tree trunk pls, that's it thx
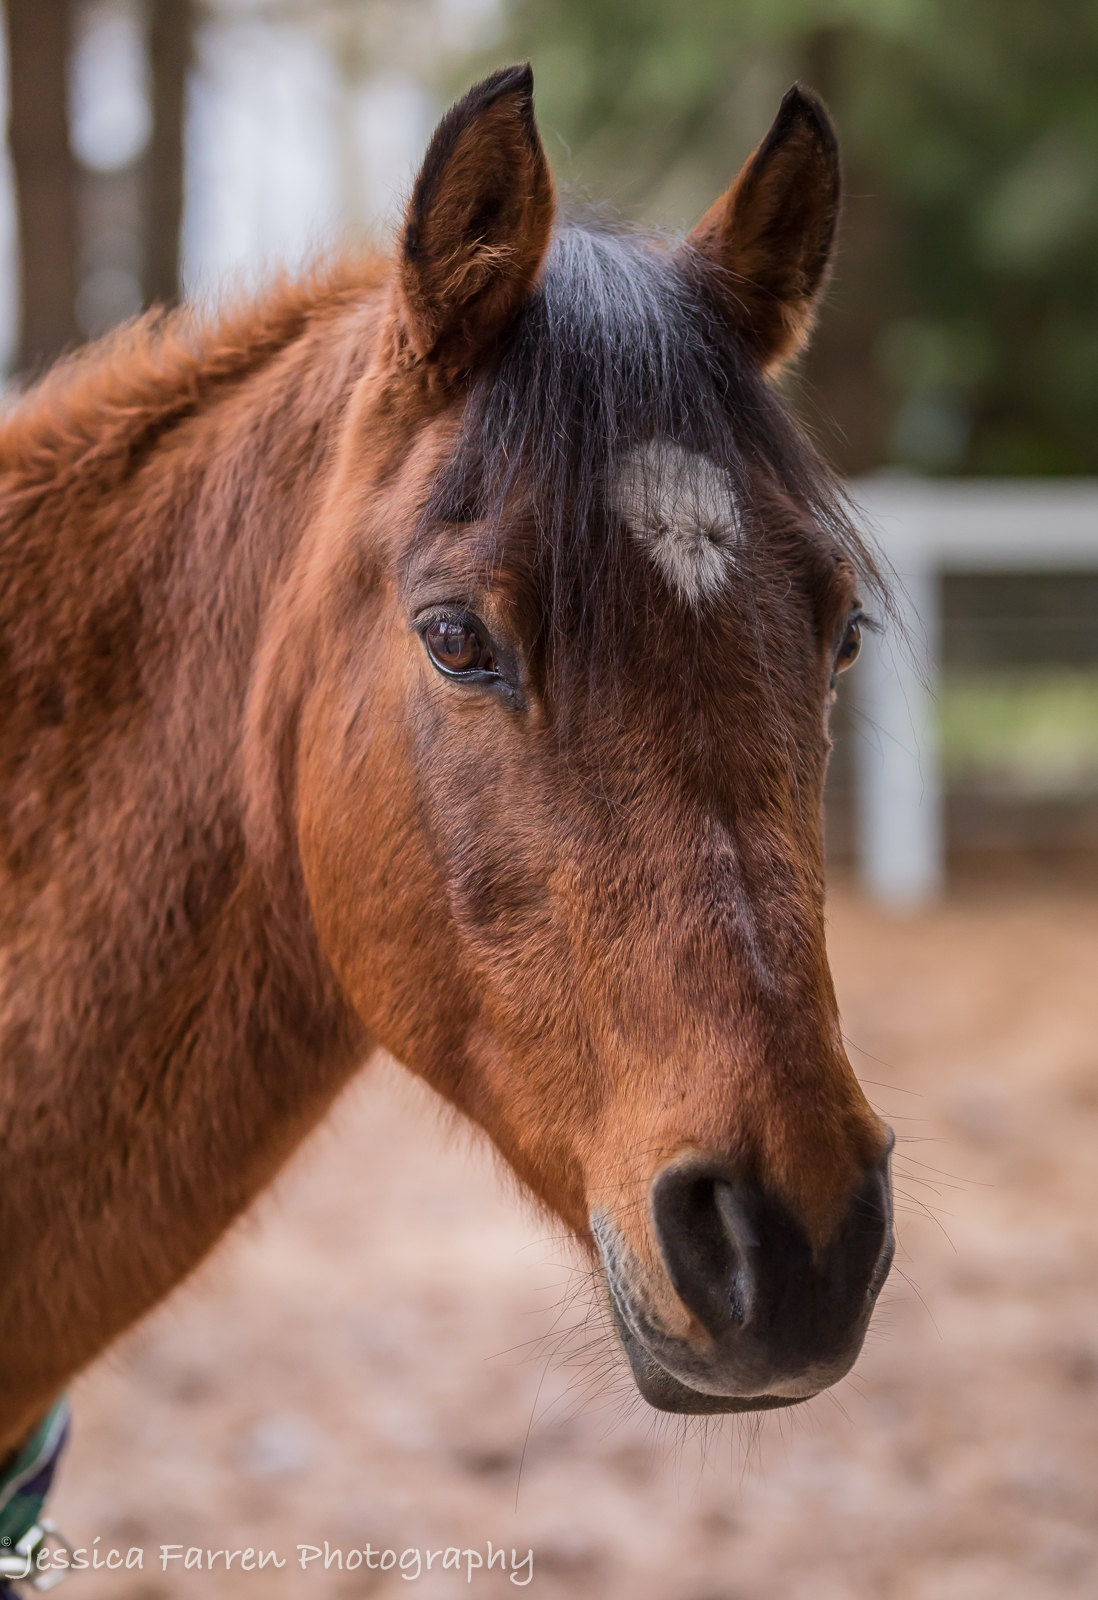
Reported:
(171, 42)
(45, 178)
(844, 396)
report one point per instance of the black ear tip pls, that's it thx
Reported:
(803, 105)
(516, 80)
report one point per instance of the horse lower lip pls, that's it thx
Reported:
(665, 1392)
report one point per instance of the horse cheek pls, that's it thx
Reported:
(372, 886)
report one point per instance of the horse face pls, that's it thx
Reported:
(561, 770)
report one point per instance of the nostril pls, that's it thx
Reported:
(745, 1268)
(881, 1203)
(744, 1242)
(882, 1269)
(709, 1247)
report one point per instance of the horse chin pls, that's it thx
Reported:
(665, 1392)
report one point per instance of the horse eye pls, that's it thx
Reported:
(851, 645)
(456, 647)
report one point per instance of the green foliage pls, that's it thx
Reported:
(963, 329)
(1021, 733)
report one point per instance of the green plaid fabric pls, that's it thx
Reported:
(25, 1481)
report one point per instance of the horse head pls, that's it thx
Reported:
(567, 628)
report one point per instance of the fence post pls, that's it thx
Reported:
(897, 760)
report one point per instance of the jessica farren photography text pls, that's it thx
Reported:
(410, 1564)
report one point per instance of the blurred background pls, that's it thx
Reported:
(330, 1375)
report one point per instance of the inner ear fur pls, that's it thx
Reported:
(764, 248)
(478, 222)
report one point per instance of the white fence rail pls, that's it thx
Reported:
(926, 528)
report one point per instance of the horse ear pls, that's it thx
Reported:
(765, 247)
(478, 221)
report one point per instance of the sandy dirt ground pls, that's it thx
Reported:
(369, 1358)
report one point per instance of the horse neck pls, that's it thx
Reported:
(168, 1031)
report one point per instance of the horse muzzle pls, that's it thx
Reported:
(777, 1320)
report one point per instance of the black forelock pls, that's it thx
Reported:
(616, 346)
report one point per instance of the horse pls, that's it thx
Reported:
(434, 655)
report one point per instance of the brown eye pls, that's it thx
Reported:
(852, 643)
(455, 647)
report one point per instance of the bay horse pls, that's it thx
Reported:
(436, 656)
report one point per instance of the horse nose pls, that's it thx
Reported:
(778, 1311)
